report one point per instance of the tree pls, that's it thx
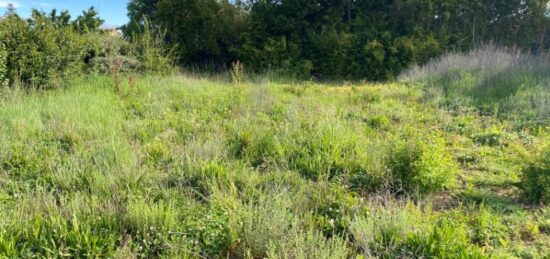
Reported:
(138, 11)
(354, 39)
(61, 20)
(205, 32)
(10, 9)
(88, 21)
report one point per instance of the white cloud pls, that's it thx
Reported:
(4, 3)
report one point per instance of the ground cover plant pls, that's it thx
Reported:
(191, 166)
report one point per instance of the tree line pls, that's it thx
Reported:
(353, 39)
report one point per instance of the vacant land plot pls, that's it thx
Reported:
(188, 167)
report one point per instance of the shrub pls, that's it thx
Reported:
(40, 54)
(263, 224)
(421, 164)
(104, 51)
(536, 180)
(383, 231)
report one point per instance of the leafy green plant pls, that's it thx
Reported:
(445, 239)
(421, 164)
(208, 231)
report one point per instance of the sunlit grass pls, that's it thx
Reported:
(187, 166)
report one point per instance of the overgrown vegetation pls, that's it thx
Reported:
(452, 161)
(182, 166)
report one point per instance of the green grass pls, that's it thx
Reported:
(184, 166)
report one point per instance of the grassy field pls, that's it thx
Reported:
(183, 166)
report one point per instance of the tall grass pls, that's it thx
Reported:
(503, 81)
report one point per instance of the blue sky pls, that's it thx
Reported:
(112, 11)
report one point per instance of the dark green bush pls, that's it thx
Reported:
(536, 180)
(152, 52)
(421, 164)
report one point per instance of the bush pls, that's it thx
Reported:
(104, 51)
(536, 180)
(40, 54)
(263, 224)
(421, 164)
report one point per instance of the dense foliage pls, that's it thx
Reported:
(47, 49)
(338, 39)
(39, 52)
